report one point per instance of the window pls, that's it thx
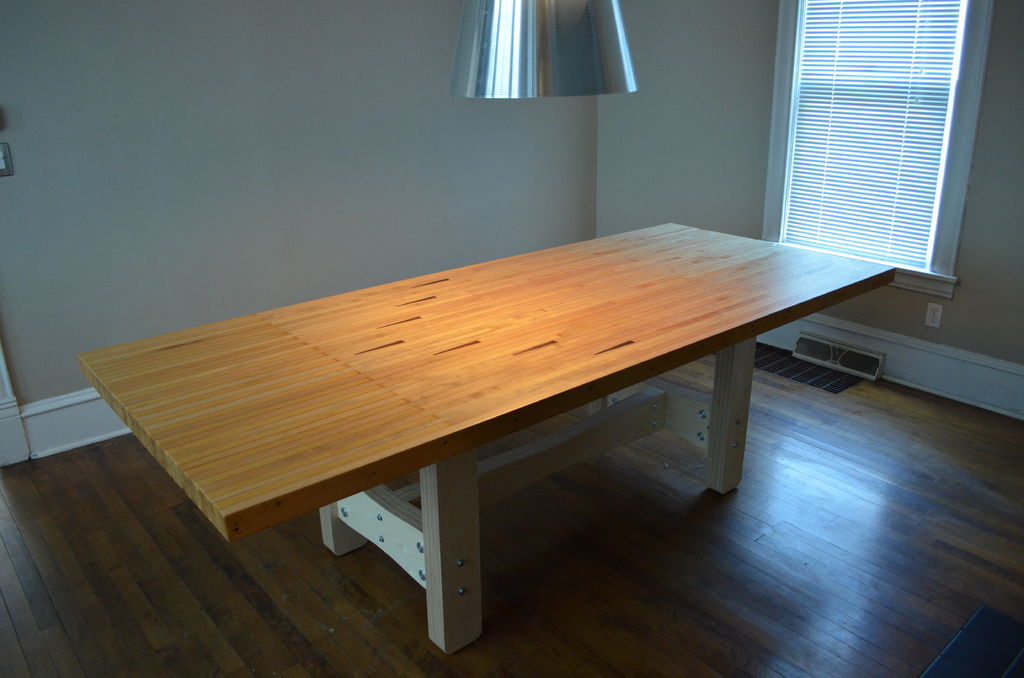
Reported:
(873, 128)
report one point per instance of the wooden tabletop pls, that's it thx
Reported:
(268, 416)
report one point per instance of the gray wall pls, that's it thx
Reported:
(183, 162)
(692, 147)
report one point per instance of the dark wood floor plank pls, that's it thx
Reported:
(12, 657)
(296, 671)
(158, 578)
(26, 571)
(876, 608)
(172, 621)
(340, 641)
(933, 477)
(95, 627)
(607, 624)
(35, 564)
(32, 644)
(295, 566)
(121, 575)
(703, 579)
(64, 657)
(88, 534)
(90, 629)
(926, 485)
(242, 625)
(29, 510)
(375, 598)
(875, 534)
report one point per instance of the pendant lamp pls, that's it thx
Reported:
(520, 49)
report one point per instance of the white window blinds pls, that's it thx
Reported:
(872, 97)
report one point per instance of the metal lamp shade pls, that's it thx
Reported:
(518, 49)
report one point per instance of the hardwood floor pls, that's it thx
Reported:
(868, 527)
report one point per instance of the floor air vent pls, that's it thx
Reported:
(781, 362)
(839, 356)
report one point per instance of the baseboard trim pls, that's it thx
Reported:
(68, 421)
(972, 378)
(81, 418)
(13, 447)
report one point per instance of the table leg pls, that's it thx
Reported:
(338, 537)
(450, 499)
(730, 408)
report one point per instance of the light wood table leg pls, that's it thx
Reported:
(450, 499)
(338, 537)
(730, 408)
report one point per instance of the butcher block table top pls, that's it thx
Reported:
(268, 416)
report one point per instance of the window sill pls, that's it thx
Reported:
(926, 282)
(934, 284)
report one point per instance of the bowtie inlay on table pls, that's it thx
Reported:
(265, 417)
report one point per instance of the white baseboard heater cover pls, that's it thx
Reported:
(839, 356)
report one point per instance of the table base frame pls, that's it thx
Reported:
(438, 542)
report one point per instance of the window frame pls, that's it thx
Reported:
(939, 279)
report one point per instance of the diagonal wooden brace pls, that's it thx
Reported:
(385, 519)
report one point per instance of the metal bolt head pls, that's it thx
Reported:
(655, 405)
(381, 539)
(739, 421)
(380, 517)
(344, 512)
(702, 414)
(460, 562)
(735, 444)
(419, 547)
(461, 590)
(423, 575)
(654, 424)
(700, 436)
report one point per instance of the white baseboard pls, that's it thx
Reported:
(990, 383)
(81, 418)
(69, 421)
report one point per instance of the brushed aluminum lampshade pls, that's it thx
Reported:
(518, 49)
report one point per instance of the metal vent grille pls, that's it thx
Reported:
(855, 360)
(781, 362)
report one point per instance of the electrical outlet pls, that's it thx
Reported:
(933, 316)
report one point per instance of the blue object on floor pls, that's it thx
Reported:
(1016, 669)
(989, 645)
